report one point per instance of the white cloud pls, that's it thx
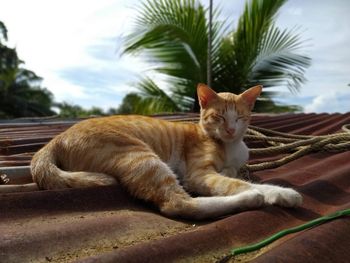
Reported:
(329, 102)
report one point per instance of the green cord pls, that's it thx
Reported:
(284, 232)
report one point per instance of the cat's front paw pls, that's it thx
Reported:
(275, 195)
(252, 198)
(284, 197)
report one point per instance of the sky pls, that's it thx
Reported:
(76, 47)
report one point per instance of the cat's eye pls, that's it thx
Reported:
(239, 118)
(218, 117)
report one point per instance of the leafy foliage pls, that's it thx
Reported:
(173, 35)
(75, 111)
(20, 91)
(155, 100)
(3, 32)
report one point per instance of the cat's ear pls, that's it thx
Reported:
(250, 95)
(205, 95)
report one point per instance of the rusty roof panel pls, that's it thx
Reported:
(105, 224)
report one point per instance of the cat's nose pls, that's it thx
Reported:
(231, 131)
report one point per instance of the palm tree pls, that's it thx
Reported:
(173, 35)
(22, 96)
(20, 91)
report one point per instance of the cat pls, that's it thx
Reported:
(165, 162)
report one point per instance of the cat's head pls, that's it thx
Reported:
(225, 116)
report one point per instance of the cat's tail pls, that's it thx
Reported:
(47, 175)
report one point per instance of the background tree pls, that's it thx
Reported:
(68, 110)
(173, 35)
(20, 91)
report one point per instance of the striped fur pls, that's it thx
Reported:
(165, 162)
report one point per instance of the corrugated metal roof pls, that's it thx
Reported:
(104, 224)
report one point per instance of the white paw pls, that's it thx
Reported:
(275, 195)
(252, 198)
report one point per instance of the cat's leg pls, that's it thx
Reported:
(214, 206)
(147, 177)
(206, 181)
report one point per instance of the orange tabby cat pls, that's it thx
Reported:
(162, 162)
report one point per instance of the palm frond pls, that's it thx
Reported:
(279, 62)
(3, 31)
(173, 35)
(153, 99)
(253, 24)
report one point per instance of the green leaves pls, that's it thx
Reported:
(3, 31)
(252, 26)
(277, 63)
(153, 99)
(20, 91)
(173, 36)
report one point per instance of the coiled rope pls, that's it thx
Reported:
(294, 145)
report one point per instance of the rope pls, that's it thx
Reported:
(4, 179)
(294, 145)
(346, 128)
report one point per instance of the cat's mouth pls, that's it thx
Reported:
(229, 136)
